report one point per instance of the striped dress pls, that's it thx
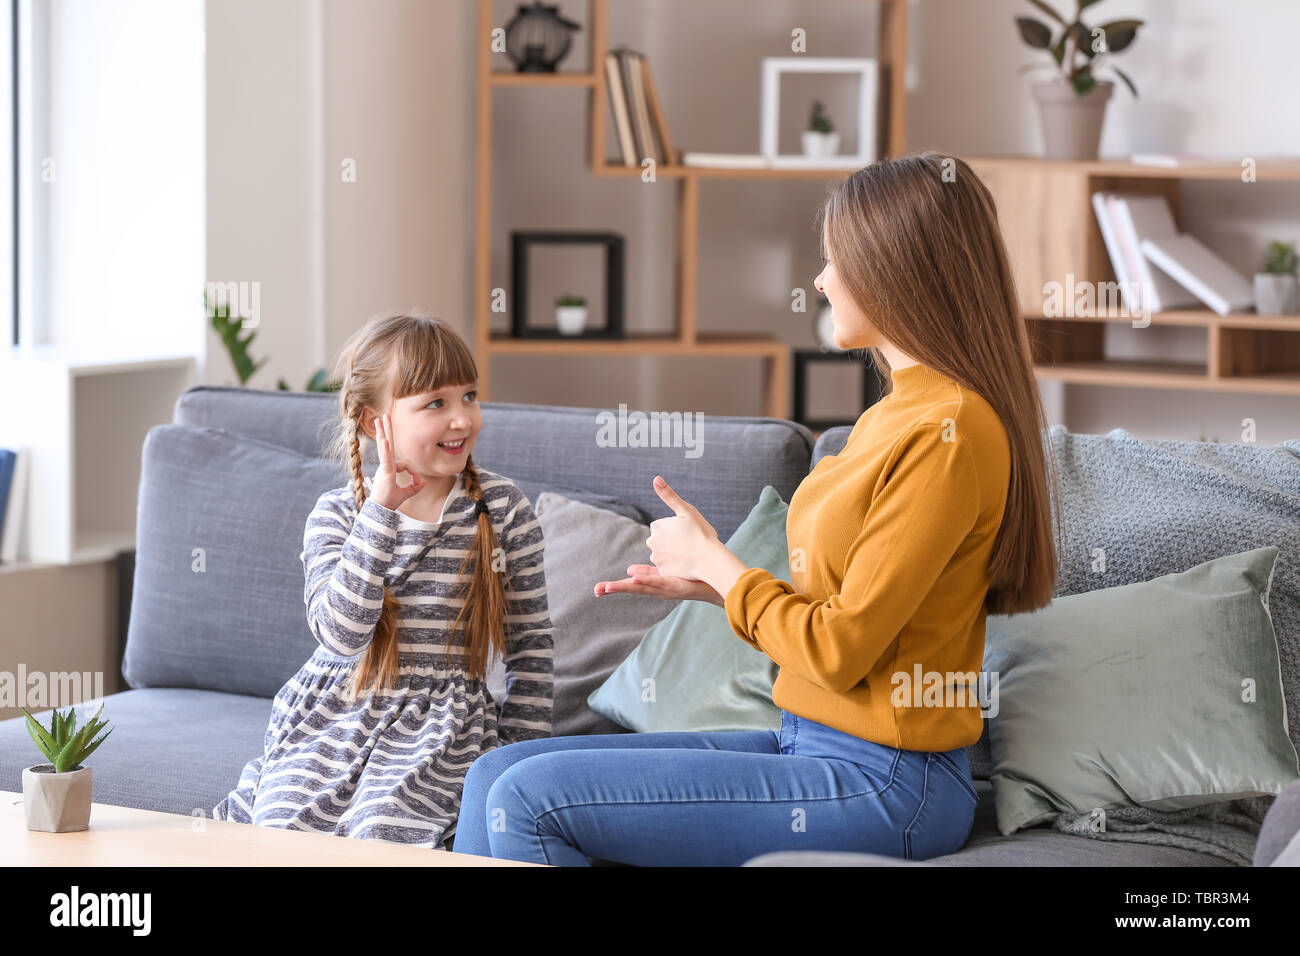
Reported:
(391, 765)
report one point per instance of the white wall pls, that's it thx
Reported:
(122, 151)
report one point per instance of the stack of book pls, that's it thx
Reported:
(1159, 268)
(13, 486)
(638, 114)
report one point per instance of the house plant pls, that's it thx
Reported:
(1072, 105)
(57, 795)
(820, 138)
(230, 328)
(1276, 284)
(571, 314)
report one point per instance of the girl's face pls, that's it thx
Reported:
(852, 330)
(423, 424)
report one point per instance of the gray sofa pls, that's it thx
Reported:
(216, 619)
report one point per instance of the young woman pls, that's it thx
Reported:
(936, 512)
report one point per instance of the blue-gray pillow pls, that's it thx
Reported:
(1165, 694)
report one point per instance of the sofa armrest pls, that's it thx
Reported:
(1280, 826)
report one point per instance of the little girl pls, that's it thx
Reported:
(415, 579)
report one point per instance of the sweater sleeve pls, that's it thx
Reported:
(345, 557)
(926, 508)
(529, 667)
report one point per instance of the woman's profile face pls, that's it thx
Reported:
(852, 330)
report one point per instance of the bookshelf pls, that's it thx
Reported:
(684, 340)
(1245, 352)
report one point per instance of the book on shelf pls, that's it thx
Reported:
(14, 463)
(1213, 281)
(638, 112)
(1134, 217)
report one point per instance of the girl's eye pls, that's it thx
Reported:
(472, 391)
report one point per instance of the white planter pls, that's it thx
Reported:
(571, 319)
(1275, 294)
(1071, 123)
(821, 145)
(57, 802)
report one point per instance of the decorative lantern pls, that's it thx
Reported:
(538, 38)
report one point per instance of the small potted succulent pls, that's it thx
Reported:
(57, 795)
(1276, 284)
(820, 138)
(571, 314)
(1072, 105)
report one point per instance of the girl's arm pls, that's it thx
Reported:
(529, 659)
(344, 562)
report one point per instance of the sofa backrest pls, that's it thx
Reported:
(226, 490)
(545, 446)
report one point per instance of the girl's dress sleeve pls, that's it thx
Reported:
(344, 562)
(529, 652)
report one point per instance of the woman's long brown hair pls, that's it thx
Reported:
(917, 245)
(390, 357)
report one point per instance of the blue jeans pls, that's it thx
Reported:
(712, 799)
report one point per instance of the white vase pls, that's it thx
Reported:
(820, 145)
(571, 319)
(1275, 294)
(1071, 123)
(57, 802)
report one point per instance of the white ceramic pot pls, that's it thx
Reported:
(1275, 294)
(1071, 123)
(57, 802)
(571, 319)
(821, 145)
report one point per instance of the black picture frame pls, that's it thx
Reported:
(804, 359)
(614, 291)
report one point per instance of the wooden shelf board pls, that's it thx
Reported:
(718, 345)
(1191, 317)
(1280, 170)
(610, 168)
(1271, 383)
(1129, 373)
(543, 79)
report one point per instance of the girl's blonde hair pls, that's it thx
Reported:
(917, 246)
(390, 357)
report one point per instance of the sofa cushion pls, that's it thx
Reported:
(592, 635)
(1175, 696)
(704, 677)
(218, 590)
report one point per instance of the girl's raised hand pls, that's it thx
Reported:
(395, 481)
(646, 579)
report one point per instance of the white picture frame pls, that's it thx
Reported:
(867, 69)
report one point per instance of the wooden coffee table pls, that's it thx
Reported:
(124, 836)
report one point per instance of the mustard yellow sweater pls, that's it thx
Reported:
(889, 545)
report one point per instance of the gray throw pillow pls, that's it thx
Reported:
(1165, 694)
(592, 635)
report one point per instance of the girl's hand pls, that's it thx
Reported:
(646, 579)
(395, 481)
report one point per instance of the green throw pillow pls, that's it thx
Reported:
(1164, 693)
(691, 671)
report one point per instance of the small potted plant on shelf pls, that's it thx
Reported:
(1276, 284)
(1073, 104)
(57, 795)
(571, 314)
(820, 138)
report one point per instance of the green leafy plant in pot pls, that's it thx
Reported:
(1276, 284)
(57, 795)
(571, 314)
(230, 328)
(1072, 106)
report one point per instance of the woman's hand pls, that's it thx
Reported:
(646, 579)
(395, 481)
(681, 544)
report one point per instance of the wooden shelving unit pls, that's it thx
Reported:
(685, 340)
(1245, 352)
